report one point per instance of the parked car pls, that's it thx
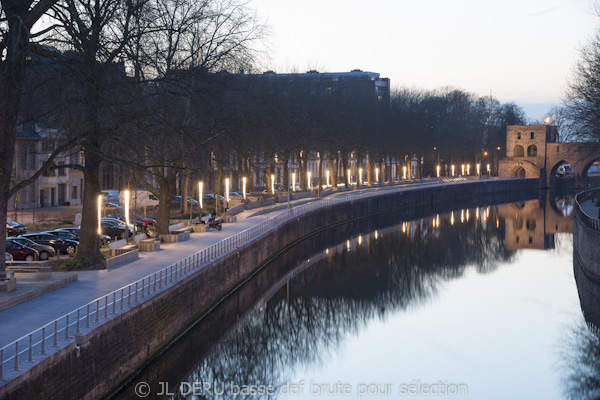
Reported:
(211, 196)
(140, 222)
(104, 239)
(120, 223)
(20, 252)
(140, 198)
(67, 246)
(15, 229)
(113, 229)
(177, 200)
(8, 258)
(110, 196)
(114, 205)
(235, 194)
(44, 251)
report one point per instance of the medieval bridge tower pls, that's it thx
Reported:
(532, 151)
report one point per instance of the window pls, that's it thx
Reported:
(532, 151)
(519, 151)
(61, 170)
(532, 134)
(74, 192)
(557, 148)
(518, 135)
(530, 240)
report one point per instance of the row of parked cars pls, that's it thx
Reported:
(23, 246)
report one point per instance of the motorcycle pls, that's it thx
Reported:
(213, 222)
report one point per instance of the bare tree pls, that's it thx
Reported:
(17, 18)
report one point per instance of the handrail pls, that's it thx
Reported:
(588, 220)
(103, 308)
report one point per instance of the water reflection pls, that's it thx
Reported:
(302, 308)
(580, 348)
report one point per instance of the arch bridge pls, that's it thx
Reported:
(533, 151)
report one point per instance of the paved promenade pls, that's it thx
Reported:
(18, 321)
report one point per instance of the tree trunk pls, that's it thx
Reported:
(89, 247)
(164, 205)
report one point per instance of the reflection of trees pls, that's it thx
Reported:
(581, 363)
(338, 294)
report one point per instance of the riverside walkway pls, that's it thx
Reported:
(101, 288)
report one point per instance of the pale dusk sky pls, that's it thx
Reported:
(521, 51)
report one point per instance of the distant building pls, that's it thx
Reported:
(356, 83)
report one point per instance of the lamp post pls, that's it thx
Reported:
(272, 184)
(244, 187)
(453, 170)
(327, 173)
(126, 195)
(360, 181)
(99, 214)
(308, 179)
(349, 181)
(200, 197)
(377, 175)
(227, 193)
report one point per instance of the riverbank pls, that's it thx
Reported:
(127, 339)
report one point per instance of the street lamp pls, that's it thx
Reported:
(227, 190)
(126, 195)
(349, 182)
(293, 181)
(308, 179)
(404, 172)
(452, 170)
(99, 214)
(360, 181)
(438, 171)
(272, 184)
(244, 187)
(377, 174)
(327, 173)
(468, 169)
(462, 168)
(200, 197)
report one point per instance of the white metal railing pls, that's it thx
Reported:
(35, 345)
(591, 222)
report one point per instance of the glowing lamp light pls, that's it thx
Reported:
(452, 169)
(404, 227)
(467, 215)
(327, 173)
(404, 172)
(359, 239)
(462, 168)
(462, 216)
(349, 183)
(308, 178)
(293, 181)
(377, 175)
(126, 195)
(468, 169)
(438, 171)
(200, 197)
(452, 218)
(360, 181)
(100, 214)
(244, 187)
(227, 189)
(488, 169)
(272, 184)
(478, 169)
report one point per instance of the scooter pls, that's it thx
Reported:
(213, 222)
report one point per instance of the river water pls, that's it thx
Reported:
(442, 301)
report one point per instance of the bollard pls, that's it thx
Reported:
(67, 328)
(16, 356)
(78, 323)
(30, 358)
(160, 281)
(121, 299)
(149, 279)
(136, 292)
(114, 302)
(1, 364)
(44, 340)
(106, 306)
(97, 310)
(154, 282)
(171, 276)
(55, 344)
(129, 295)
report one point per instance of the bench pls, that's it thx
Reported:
(123, 257)
(122, 250)
(8, 282)
(149, 245)
(178, 233)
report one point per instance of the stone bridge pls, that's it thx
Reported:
(532, 151)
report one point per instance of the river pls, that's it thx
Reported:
(477, 303)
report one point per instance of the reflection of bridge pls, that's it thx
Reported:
(532, 151)
(529, 225)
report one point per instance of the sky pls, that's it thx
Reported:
(520, 51)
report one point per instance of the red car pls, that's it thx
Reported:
(20, 252)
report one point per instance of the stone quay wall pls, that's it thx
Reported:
(101, 361)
